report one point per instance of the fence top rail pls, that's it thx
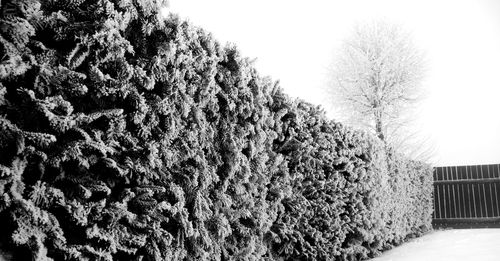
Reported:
(473, 165)
(467, 172)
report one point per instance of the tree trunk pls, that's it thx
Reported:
(379, 129)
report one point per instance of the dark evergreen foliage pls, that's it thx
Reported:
(125, 136)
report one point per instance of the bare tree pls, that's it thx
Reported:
(377, 79)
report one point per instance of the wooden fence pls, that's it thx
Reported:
(467, 196)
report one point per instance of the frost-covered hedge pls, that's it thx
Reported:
(125, 136)
(351, 198)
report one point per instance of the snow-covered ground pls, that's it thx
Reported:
(449, 245)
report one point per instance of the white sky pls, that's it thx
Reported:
(295, 42)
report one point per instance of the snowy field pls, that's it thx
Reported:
(449, 245)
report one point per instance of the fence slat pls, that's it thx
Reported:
(459, 203)
(496, 199)
(474, 200)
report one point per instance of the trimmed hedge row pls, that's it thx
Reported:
(127, 136)
(351, 196)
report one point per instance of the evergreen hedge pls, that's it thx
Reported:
(124, 136)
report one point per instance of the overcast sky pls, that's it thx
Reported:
(295, 42)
